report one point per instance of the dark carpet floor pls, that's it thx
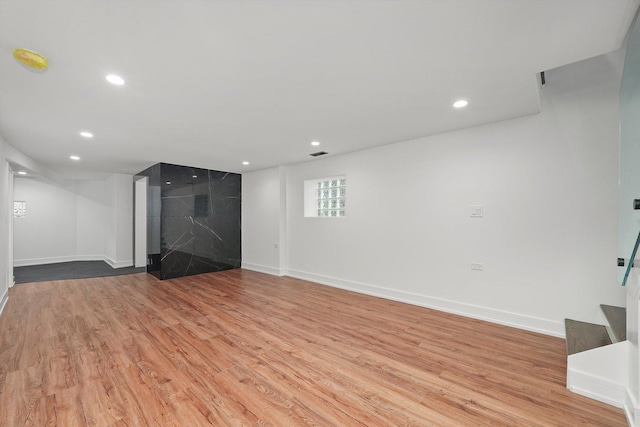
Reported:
(69, 270)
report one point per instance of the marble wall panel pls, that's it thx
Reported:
(199, 221)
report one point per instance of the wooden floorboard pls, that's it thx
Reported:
(243, 348)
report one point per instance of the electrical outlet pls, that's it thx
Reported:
(477, 211)
(478, 266)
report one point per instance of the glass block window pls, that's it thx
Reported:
(332, 197)
(325, 197)
(19, 209)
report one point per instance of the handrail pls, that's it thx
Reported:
(631, 260)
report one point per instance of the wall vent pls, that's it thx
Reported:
(319, 153)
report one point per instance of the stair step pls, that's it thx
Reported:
(617, 318)
(583, 336)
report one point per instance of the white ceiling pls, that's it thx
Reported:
(213, 83)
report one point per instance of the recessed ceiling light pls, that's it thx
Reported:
(194, 176)
(22, 173)
(168, 182)
(460, 103)
(315, 143)
(86, 134)
(245, 163)
(115, 80)
(74, 157)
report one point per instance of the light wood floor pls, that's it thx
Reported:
(243, 348)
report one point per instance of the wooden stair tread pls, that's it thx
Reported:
(583, 336)
(617, 318)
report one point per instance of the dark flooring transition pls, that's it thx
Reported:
(69, 270)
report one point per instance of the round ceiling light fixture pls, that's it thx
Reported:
(115, 80)
(22, 173)
(245, 163)
(315, 143)
(74, 157)
(86, 134)
(31, 59)
(461, 103)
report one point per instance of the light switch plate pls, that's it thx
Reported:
(477, 211)
(477, 266)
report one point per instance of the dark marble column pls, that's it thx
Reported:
(199, 220)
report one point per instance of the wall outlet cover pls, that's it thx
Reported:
(477, 211)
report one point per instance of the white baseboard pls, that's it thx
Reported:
(3, 301)
(55, 260)
(51, 260)
(631, 409)
(262, 269)
(520, 321)
(88, 258)
(118, 264)
(600, 373)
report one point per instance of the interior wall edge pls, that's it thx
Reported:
(631, 408)
(3, 301)
(515, 320)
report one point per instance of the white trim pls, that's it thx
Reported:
(119, 264)
(600, 373)
(10, 189)
(89, 258)
(263, 269)
(56, 260)
(597, 388)
(631, 409)
(51, 260)
(529, 323)
(3, 301)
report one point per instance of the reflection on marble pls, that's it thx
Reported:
(199, 227)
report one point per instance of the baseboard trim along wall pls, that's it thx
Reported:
(631, 409)
(55, 260)
(3, 301)
(263, 269)
(506, 318)
(600, 373)
(118, 264)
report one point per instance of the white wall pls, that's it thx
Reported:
(124, 220)
(90, 219)
(5, 276)
(10, 154)
(110, 219)
(47, 233)
(82, 220)
(140, 222)
(628, 218)
(547, 240)
(118, 245)
(261, 228)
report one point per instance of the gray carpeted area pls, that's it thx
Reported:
(69, 270)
